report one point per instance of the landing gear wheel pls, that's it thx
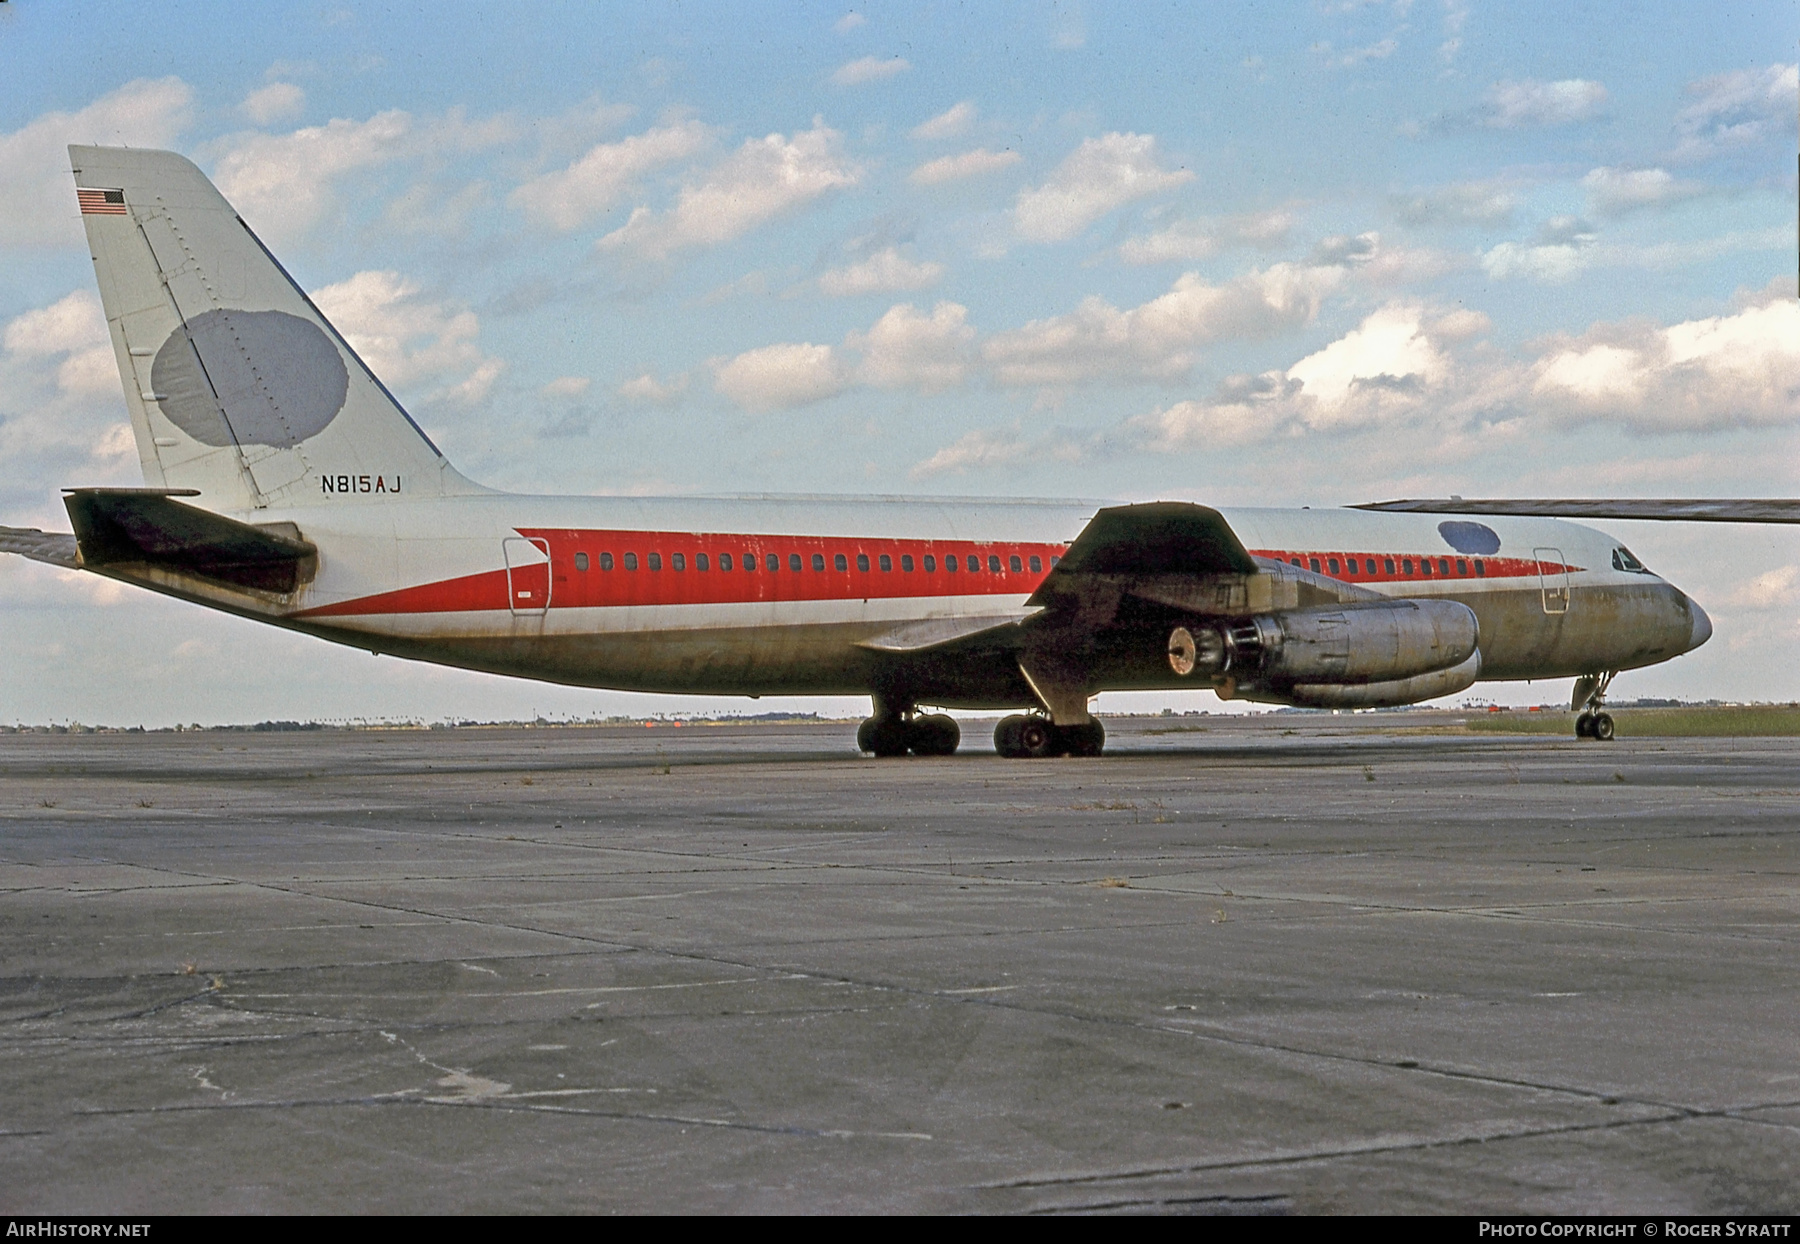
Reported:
(1086, 740)
(1601, 727)
(883, 736)
(1038, 739)
(935, 734)
(1006, 736)
(1584, 726)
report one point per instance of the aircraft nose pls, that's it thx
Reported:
(1701, 623)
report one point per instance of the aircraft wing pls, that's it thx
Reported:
(55, 548)
(1726, 510)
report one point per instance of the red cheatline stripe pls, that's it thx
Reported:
(597, 587)
(101, 202)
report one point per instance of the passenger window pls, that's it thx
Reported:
(993, 564)
(906, 562)
(818, 561)
(581, 562)
(1053, 562)
(701, 562)
(1462, 567)
(1480, 569)
(1313, 564)
(887, 563)
(1424, 565)
(974, 563)
(794, 562)
(1332, 564)
(1037, 564)
(862, 562)
(724, 562)
(655, 560)
(1443, 565)
(606, 561)
(1406, 565)
(841, 562)
(1015, 563)
(772, 561)
(950, 564)
(1389, 563)
(631, 561)
(930, 564)
(678, 561)
(1295, 560)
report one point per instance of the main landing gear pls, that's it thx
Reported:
(1033, 736)
(922, 734)
(1589, 699)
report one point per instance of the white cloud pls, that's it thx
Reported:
(763, 179)
(780, 377)
(1773, 589)
(951, 123)
(1486, 204)
(1738, 109)
(976, 163)
(1159, 339)
(1390, 345)
(647, 390)
(978, 450)
(905, 349)
(884, 271)
(567, 387)
(37, 198)
(1615, 191)
(73, 326)
(1739, 370)
(848, 22)
(278, 101)
(408, 340)
(1100, 175)
(1529, 104)
(1188, 240)
(569, 197)
(1562, 249)
(1374, 51)
(285, 184)
(869, 69)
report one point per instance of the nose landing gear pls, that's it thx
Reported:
(1589, 699)
(1031, 736)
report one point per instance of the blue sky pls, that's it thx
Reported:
(1244, 254)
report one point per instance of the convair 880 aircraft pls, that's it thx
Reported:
(285, 484)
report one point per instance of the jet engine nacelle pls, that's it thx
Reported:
(1379, 642)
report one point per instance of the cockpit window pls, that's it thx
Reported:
(1623, 560)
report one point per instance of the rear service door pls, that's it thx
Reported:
(527, 576)
(1554, 576)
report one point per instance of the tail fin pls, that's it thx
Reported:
(237, 385)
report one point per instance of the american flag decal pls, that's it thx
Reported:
(101, 202)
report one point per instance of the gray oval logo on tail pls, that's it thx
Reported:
(278, 378)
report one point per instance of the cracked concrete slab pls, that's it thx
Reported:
(1290, 963)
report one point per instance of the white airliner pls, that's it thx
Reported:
(284, 483)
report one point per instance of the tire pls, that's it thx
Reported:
(1602, 727)
(1088, 740)
(1038, 738)
(935, 735)
(1006, 736)
(882, 736)
(1584, 726)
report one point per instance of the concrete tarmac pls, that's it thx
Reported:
(1291, 963)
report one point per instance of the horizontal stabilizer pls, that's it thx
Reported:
(1158, 537)
(148, 526)
(1727, 510)
(55, 548)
